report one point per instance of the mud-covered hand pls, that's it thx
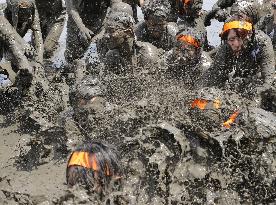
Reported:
(210, 15)
(29, 51)
(85, 34)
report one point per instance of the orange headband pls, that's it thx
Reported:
(186, 1)
(189, 39)
(231, 120)
(203, 104)
(237, 24)
(84, 159)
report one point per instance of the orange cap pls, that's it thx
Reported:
(189, 39)
(237, 24)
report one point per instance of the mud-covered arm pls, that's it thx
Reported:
(8, 36)
(72, 10)
(52, 38)
(38, 40)
(267, 62)
(262, 23)
(223, 4)
(198, 5)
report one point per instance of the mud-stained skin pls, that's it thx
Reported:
(85, 19)
(52, 19)
(16, 17)
(178, 141)
(10, 39)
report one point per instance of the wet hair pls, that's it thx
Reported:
(122, 7)
(106, 157)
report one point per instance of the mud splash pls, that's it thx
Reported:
(171, 154)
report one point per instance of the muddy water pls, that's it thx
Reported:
(171, 154)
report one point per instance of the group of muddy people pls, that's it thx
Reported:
(145, 111)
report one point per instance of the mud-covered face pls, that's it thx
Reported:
(185, 8)
(237, 41)
(118, 36)
(25, 14)
(155, 26)
(93, 105)
(88, 109)
(273, 4)
(185, 53)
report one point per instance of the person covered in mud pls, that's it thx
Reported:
(15, 45)
(157, 28)
(119, 51)
(245, 62)
(85, 19)
(187, 61)
(96, 166)
(23, 15)
(268, 24)
(52, 16)
(192, 16)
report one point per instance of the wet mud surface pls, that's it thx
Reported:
(171, 153)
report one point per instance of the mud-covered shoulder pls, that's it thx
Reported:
(148, 55)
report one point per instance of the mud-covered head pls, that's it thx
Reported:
(22, 10)
(89, 93)
(246, 10)
(273, 4)
(188, 46)
(119, 30)
(156, 15)
(213, 109)
(121, 7)
(237, 33)
(94, 165)
(189, 8)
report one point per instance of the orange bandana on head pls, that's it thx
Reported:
(87, 160)
(237, 24)
(189, 39)
(186, 1)
(84, 159)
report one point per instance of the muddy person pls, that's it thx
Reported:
(268, 24)
(85, 19)
(119, 51)
(23, 15)
(95, 166)
(20, 72)
(52, 19)
(245, 62)
(193, 16)
(187, 61)
(157, 28)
